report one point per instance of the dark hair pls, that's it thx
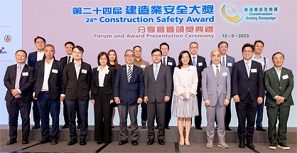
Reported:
(49, 45)
(102, 54)
(223, 42)
(38, 37)
(164, 43)
(247, 45)
(278, 53)
(79, 48)
(127, 50)
(69, 42)
(156, 50)
(193, 42)
(180, 63)
(137, 46)
(258, 41)
(116, 63)
(20, 50)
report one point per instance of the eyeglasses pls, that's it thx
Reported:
(156, 55)
(129, 55)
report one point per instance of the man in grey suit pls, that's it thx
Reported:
(216, 89)
(158, 87)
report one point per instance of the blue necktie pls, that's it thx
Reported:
(156, 72)
(194, 61)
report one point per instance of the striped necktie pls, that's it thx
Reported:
(129, 75)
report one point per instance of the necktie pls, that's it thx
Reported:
(247, 68)
(129, 75)
(68, 61)
(194, 61)
(163, 62)
(217, 73)
(18, 77)
(223, 63)
(156, 72)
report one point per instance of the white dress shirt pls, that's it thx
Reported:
(40, 55)
(47, 71)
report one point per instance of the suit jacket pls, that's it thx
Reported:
(156, 90)
(229, 62)
(242, 84)
(171, 63)
(201, 64)
(63, 60)
(25, 85)
(108, 82)
(129, 92)
(216, 90)
(185, 80)
(73, 86)
(54, 81)
(282, 87)
(32, 59)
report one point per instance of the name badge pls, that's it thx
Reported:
(169, 63)
(224, 73)
(142, 66)
(54, 71)
(285, 76)
(254, 70)
(84, 71)
(25, 74)
(229, 64)
(200, 64)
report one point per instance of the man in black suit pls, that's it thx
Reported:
(158, 89)
(77, 78)
(47, 92)
(32, 60)
(66, 60)
(18, 80)
(128, 93)
(248, 92)
(200, 63)
(169, 61)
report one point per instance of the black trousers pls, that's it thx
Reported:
(228, 115)
(13, 108)
(103, 113)
(65, 113)
(246, 112)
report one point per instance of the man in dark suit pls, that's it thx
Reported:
(77, 78)
(200, 63)
(228, 61)
(128, 93)
(66, 60)
(279, 83)
(158, 89)
(32, 60)
(47, 92)
(169, 61)
(248, 92)
(18, 80)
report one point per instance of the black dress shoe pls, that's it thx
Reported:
(241, 145)
(167, 127)
(150, 142)
(250, 145)
(227, 128)
(199, 128)
(45, 140)
(36, 127)
(134, 142)
(161, 142)
(65, 126)
(72, 142)
(25, 141)
(54, 141)
(260, 129)
(122, 142)
(83, 142)
(11, 141)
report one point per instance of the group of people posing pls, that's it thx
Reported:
(163, 89)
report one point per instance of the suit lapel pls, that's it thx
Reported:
(82, 66)
(125, 72)
(54, 66)
(212, 73)
(160, 70)
(243, 66)
(25, 69)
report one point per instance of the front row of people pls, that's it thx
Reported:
(127, 86)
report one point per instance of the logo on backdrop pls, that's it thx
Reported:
(7, 38)
(2, 51)
(230, 14)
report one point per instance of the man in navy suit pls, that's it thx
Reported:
(47, 92)
(228, 61)
(77, 78)
(18, 80)
(200, 63)
(32, 60)
(128, 93)
(169, 61)
(248, 92)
